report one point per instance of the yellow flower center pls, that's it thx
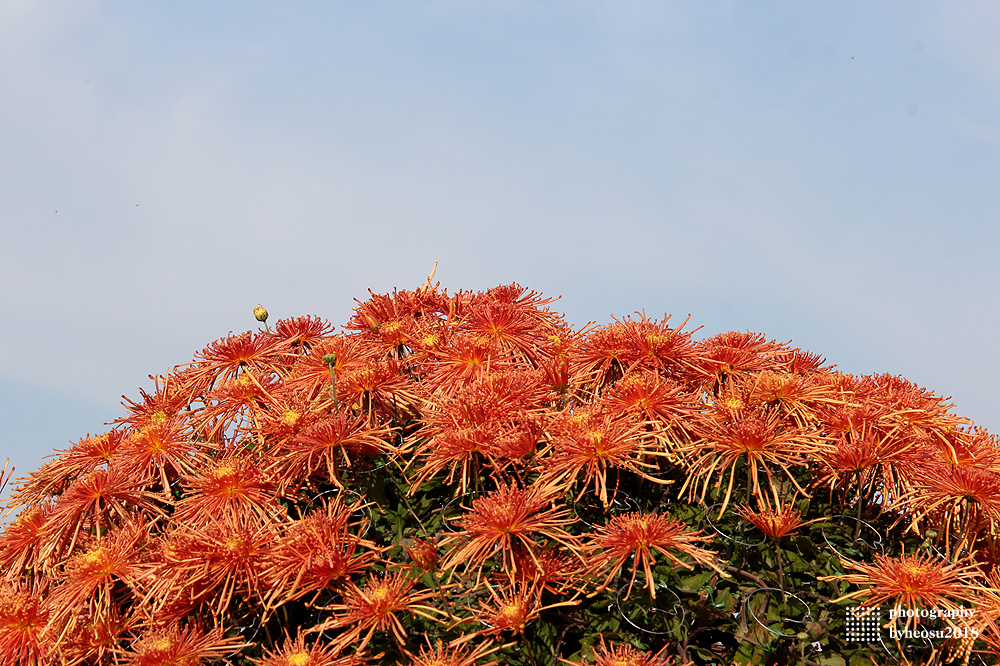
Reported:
(161, 644)
(512, 613)
(225, 471)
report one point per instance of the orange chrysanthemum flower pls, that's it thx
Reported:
(913, 582)
(24, 619)
(735, 354)
(302, 333)
(649, 396)
(760, 439)
(102, 574)
(505, 518)
(453, 655)
(626, 655)
(24, 539)
(375, 606)
(85, 456)
(212, 563)
(96, 502)
(963, 499)
(510, 610)
(315, 552)
(175, 646)
(777, 522)
(327, 446)
(612, 351)
(234, 486)
(295, 653)
(163, 450)
(224, 359)
(638, 536)
(469, 357)
(586, 447)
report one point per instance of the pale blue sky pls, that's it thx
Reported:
(822, 172)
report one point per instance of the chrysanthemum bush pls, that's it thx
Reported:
(462, 479)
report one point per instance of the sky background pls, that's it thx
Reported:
(821, 172)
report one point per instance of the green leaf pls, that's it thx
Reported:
(695, 582)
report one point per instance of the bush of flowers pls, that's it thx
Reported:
(462, 479)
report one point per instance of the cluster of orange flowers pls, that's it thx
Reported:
(242, 511)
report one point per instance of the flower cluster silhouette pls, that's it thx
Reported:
(465, 478)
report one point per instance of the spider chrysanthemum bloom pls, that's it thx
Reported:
(375, 607)
(551, 568)
(24, 539)
(913, 582)
(777, 522)
(94, 503)
(310, 375)
(302, 333)
(469, 357)
(639, 536)
(505, 518)
(612, 351)
(490, 420)
(872, 460)
(24, 618)
(234, 486)
(624, 654)
(105, 573)
(224, 359)
(439, 655)
(586, 448)
(212, 564)
(509, 610)
(296, 653)
(514, 325)
(235, 405)
(379, 385)
(179, 647)
(315, 552)
(329, 445)
(795, 395)
(650, 396)
(963, 499)
(96, 636)
(734, 355)
(85, 456)
(761, 440)
(161, 450)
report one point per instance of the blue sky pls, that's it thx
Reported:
(821, 172)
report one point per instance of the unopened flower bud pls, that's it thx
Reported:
(423, 553)
(330, 359)
(260, 313)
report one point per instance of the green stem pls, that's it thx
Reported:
(861, 503)
(748, 482)
(781, 569)
(331, 360)
(527, 647)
